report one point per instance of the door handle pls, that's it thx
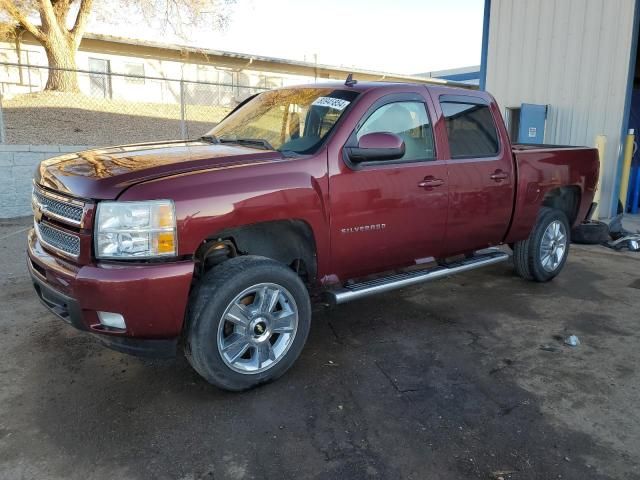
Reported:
(499, 175)
(430, 182)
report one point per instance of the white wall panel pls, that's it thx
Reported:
(572, 55)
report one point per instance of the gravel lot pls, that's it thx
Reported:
(443, 381)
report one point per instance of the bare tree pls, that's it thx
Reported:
(64, 22)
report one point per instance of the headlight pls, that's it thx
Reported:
(136, 229)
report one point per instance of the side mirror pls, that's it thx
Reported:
(377, 146)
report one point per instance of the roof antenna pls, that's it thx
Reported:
(350, 82)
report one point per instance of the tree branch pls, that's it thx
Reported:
(21, 18)
(47, 15)
(81, 20)
(61, 9)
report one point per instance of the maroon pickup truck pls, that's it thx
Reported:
(325, 193)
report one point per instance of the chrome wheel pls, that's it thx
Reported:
(257, 328)
(553, 246)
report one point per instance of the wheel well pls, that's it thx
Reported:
(566, 199)
(288, 241)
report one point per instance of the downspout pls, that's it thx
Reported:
(485, 44)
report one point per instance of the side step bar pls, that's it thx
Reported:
(385, 284)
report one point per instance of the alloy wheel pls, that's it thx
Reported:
(257, 328)
(553, 246)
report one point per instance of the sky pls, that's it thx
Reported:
(399, 36)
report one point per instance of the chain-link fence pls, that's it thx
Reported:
(110, 108)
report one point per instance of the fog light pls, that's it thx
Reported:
(113, 320)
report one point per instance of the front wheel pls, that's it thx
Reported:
(248, 323)
(542, 256)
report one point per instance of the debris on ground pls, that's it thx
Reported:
(502, 474)
(549, 348)
(622, 238)
(572, 341)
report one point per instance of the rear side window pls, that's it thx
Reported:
(471, 130)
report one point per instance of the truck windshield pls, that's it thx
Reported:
(288, 120)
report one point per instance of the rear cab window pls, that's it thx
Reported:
(471, 129)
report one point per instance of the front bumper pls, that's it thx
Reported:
(151, 297)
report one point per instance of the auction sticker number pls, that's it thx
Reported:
(335, 103)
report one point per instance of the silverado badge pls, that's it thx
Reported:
(364, 228)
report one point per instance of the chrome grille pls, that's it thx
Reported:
(68, 211)
(58, 240)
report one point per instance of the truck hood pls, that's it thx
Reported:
(104, 173)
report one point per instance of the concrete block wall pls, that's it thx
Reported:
(17, 164)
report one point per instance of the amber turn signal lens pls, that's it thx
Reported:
(164, 216)
(165, 243)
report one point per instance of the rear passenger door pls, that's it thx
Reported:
(480, 172)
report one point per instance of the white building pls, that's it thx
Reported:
(142, 71)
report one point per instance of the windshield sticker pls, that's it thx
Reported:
(335, 103)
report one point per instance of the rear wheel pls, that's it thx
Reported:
(543, 255)
(248, 324)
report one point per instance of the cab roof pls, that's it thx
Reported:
(370, 85)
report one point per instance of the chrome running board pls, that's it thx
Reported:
(355, 291)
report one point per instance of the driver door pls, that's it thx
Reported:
(389, 213)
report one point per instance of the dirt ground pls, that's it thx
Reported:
(75, 119)
(442, 381)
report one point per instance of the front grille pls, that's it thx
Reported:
(59, 240)
(56, 207)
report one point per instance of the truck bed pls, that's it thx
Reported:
(544, 170)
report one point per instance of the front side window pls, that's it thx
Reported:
(289, 120)
(408, 120)
(471, 130)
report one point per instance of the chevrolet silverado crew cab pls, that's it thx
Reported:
(330, 193)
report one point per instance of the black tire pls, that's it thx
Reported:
(590, 233)
(526, 253)
(217, 290)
